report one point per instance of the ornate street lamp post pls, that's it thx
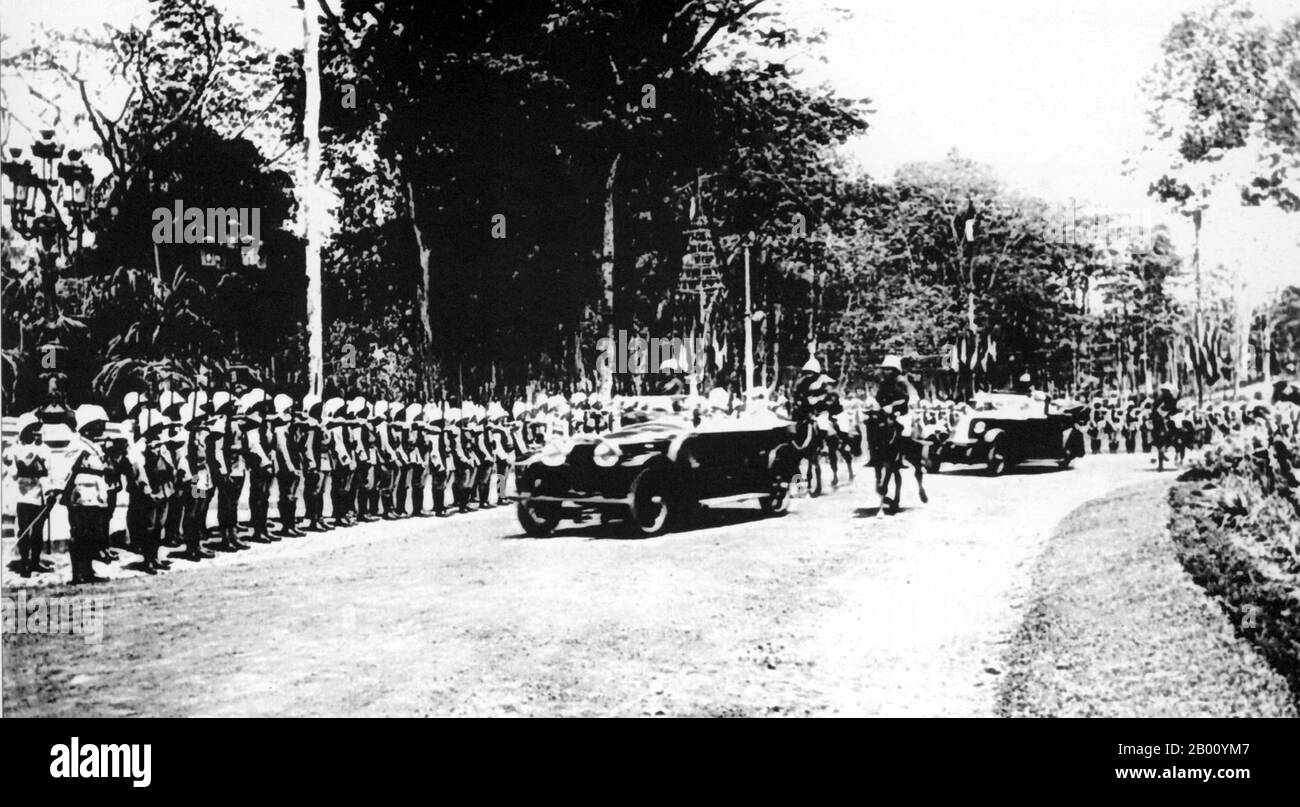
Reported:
(38, 197)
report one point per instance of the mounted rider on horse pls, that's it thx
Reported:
(1170, 427)
(812, 400)
(892, 433)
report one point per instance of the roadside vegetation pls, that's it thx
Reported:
(1236, 522)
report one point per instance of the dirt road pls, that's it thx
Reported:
(826, 611)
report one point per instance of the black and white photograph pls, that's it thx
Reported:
(652, 358)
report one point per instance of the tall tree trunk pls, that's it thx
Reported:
(607, 267)
(311, 218)
(424, 349)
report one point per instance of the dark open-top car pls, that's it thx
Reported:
(1005, 429)
(657, 471)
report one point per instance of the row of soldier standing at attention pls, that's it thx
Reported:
(186, 454)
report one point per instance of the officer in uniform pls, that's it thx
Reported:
(226, 458)
(258, 461)
(383, 462)
(151, 487)
(416, 443)
(315, 460)
(198, 404)
(896, 395)
(131, 468)
(462, 459)
(286, 451)
(170, 403)
(196, 469)
(439, 457)
(173, 441)
(502, 446)
(339, 447)
(87, 494)
(29, 464)
(396, 431)
(399, 436)
(363, 448)
(482, 456)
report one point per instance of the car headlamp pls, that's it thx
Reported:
(978, 427)
(606, 454)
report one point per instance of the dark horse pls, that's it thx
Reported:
(887, 449)
(839, 445)
(1174, 431)
(811, 439)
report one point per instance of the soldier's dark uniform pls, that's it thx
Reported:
(152, 485)
(287, 450)
(439, 459)
(342, 477)
(316, 462)
(261, 466)
(198, 488)
(226, 458)
(363, 448)
(466, 465)
(416, 444)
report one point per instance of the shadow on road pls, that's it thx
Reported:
(622, 530)
(1015, 470)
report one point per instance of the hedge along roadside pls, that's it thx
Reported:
(1235, 518)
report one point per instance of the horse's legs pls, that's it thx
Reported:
(815, 471)
(919, 471)
(882, 487)
(832, 454)
(898, 488)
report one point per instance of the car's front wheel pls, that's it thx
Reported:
(652, 506)
(538, 518)
(997, 461)
(778, 502)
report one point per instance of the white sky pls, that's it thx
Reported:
(1044, 92)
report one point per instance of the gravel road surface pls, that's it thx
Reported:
(828, 610)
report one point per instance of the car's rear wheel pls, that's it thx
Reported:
(652, 506)
(538, 518)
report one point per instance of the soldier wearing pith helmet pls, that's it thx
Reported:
(254, 406)
(438, 457)
(416, 443)
(29, 463)
(315, 460)
(87, 493)
(226, 458)
(152, 487)
(288, 457)
(343, 464)
(364, 449)
(197, 475)
(170, 403)
(397, 430)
